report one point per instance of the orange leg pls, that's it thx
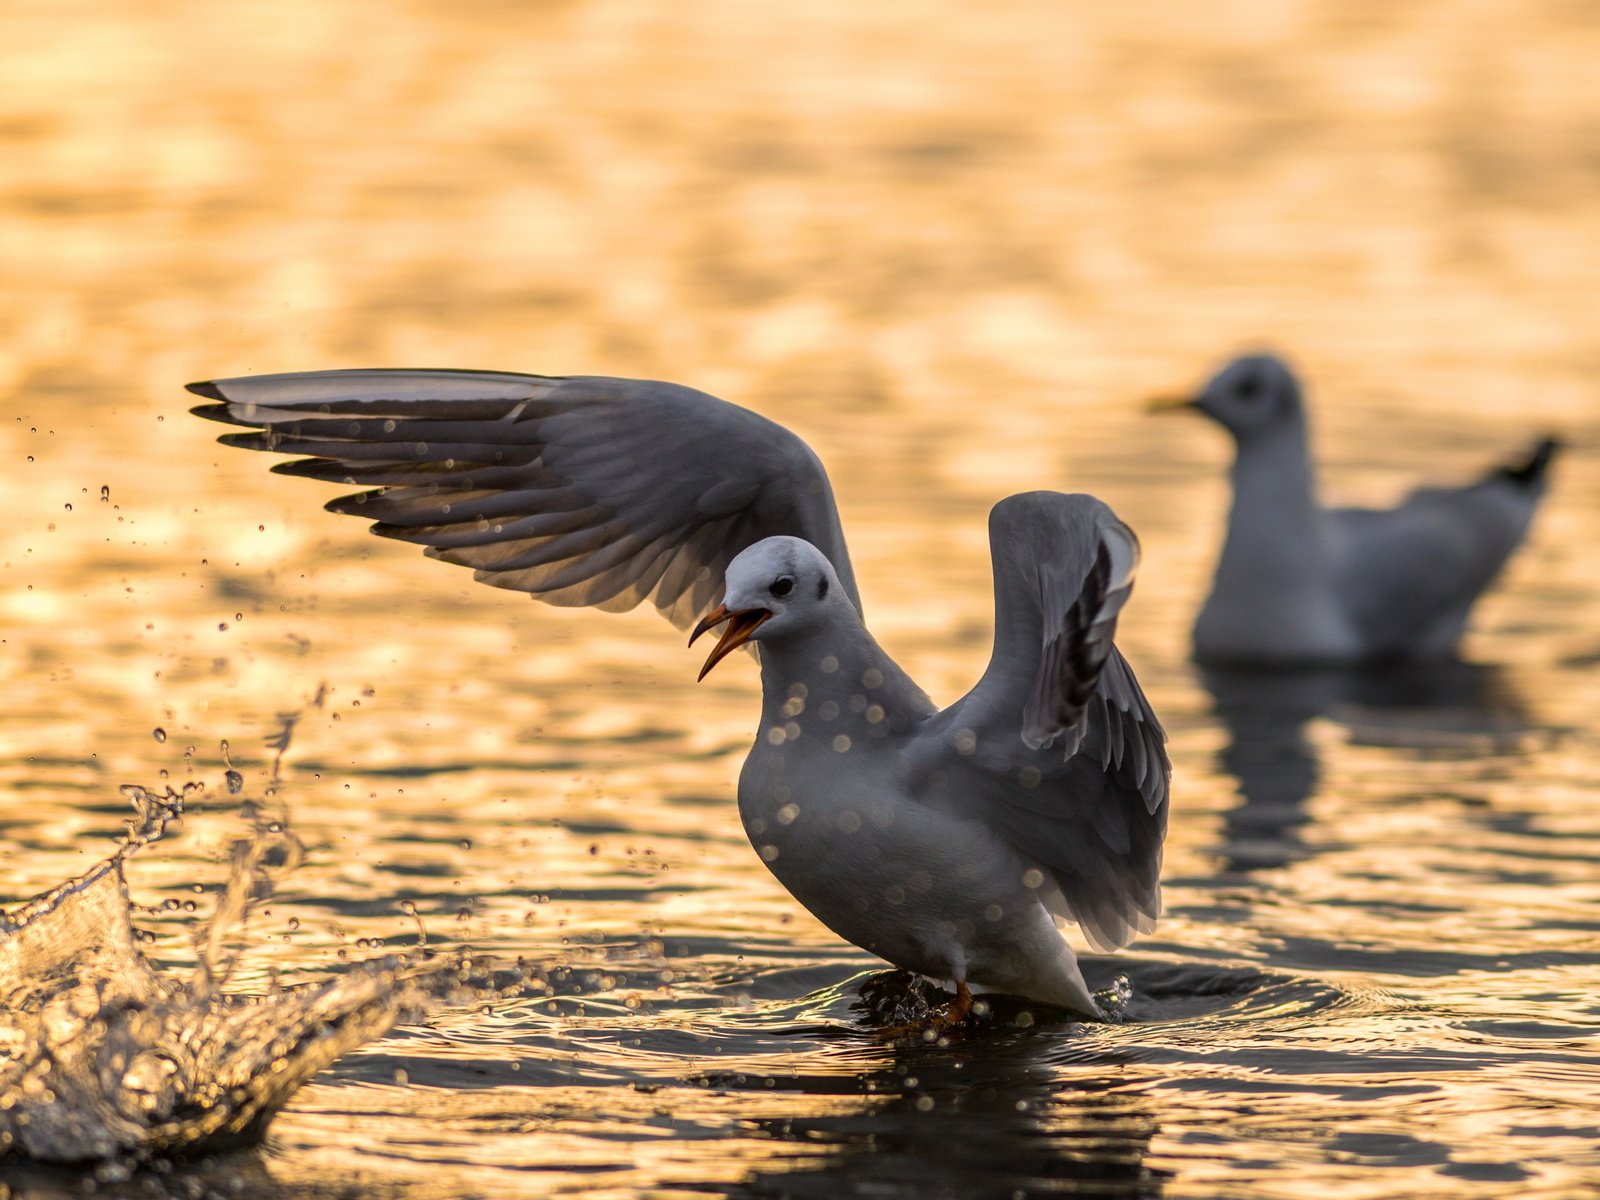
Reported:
(947, 1018)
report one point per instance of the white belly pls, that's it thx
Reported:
(928, 890)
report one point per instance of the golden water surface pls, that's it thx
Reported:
(953, 245)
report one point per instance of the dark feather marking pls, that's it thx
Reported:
(1531, 471)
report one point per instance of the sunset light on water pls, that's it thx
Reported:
(956, 249)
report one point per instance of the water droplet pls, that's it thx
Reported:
(235, 782)
(159, 734)
(105, 493)
(68, 507)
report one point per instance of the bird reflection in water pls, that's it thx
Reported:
(1007, 1121)
(1266, 712)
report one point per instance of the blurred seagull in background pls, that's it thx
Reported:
(1297, 583)
(949, 842)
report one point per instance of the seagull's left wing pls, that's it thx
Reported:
(1057, 740)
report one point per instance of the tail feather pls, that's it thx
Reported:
(1530, 472)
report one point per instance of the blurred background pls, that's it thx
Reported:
(953, 245)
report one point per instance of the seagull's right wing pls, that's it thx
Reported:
(1057, 742)
(579, 491)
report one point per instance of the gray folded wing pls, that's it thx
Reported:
(1408, 576)
(579, 491)
(1057, 742)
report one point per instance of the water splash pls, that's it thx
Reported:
(893, 998)
(102, 1056)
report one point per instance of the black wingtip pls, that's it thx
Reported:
(1530, 472)
(206, 388)
(214, 412)
(351, 506)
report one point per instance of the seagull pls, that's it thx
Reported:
(1297, 583)
(951, 842)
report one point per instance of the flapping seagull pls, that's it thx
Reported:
(949, 842)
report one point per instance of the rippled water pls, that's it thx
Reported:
(953, 248)
(108, 1063)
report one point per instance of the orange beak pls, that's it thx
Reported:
(740, 626)
(1169, 404)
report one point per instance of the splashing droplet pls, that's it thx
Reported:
(235, 782)
(108, 1057)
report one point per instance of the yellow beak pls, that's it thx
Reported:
(740, 626)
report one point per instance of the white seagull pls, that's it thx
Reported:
(950, 842)
(1297, 583)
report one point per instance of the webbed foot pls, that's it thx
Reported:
(937, 1024)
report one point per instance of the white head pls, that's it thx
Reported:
(1250, 396)
(775, 588)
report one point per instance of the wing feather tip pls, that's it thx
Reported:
(222, 412)
(255, 440)
(350, 505)
(1529, 471)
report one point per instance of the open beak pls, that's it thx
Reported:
(740, 626)
(1171, 404)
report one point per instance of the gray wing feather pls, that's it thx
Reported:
(1409, 575)
(579, 491)
(1057, 736)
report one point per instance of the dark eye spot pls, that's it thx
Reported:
(1249, 387)
(782, 586)
(822, 586)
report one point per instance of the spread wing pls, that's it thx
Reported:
(1057, 736)
(578, 491)
(1410, 574)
